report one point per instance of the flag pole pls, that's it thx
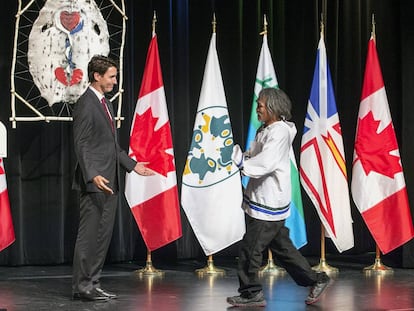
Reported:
(154, 21)
(210, 269)
(214, 23)
(264, 32)
(149, 269)
(270, 268)
(377, 267)
(373, 26)
(323, 265)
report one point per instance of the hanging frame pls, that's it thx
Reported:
(27, 101)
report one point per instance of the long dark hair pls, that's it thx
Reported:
(277, 102)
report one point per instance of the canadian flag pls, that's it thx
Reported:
(6, 223)
(153, 199)
(378, 185)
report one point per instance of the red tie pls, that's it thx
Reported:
(108, 114)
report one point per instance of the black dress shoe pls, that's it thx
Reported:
(92, 295)
(105, 293)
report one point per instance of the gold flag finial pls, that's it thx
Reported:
(322, 25)
(373, 26)
(264, 32)
(154, 21)
(214, 23)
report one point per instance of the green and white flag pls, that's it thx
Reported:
(266, 77)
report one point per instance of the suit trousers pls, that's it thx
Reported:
(261, 235)
(97, 218)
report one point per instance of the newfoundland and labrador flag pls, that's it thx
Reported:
(378, 185)
(6, 223)
(211, 193)
(153, 199)
(266, 77)
(322, 160)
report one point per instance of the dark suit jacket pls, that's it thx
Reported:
(96, 146)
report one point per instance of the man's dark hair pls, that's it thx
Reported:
(99, 64)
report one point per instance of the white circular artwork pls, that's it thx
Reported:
(63, 39)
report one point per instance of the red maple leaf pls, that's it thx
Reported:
(149, 145)
(374, 149)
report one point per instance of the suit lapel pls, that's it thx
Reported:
(99, 107)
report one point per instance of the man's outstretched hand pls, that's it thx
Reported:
(141, 169)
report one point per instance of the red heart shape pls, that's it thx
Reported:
(69, 20)
(60, 75)
(77, 75)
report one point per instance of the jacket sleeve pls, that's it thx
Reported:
(126, 162)
(82, 131)
(271, 156)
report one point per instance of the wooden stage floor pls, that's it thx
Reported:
(180, 288)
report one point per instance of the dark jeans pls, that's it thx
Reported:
(259, 236)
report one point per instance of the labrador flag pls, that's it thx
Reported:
(153, 199)
(211, 193)
(322, 159)
(378, 185)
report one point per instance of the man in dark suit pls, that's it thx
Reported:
(97, 176)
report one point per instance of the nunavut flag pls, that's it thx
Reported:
(153, 199)
(378, 185)
(6, 223)
(211, 192)
(266, 77)
(322, 159)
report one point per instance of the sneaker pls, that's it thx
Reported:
(318, 288)
(255, 301)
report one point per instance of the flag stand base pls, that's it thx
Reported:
(378, 268)
(271, 268)
(210, 269)
(149, 270)
(324, 267)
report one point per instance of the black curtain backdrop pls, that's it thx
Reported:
(40, 160)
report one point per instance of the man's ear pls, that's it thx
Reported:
(96, 76)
